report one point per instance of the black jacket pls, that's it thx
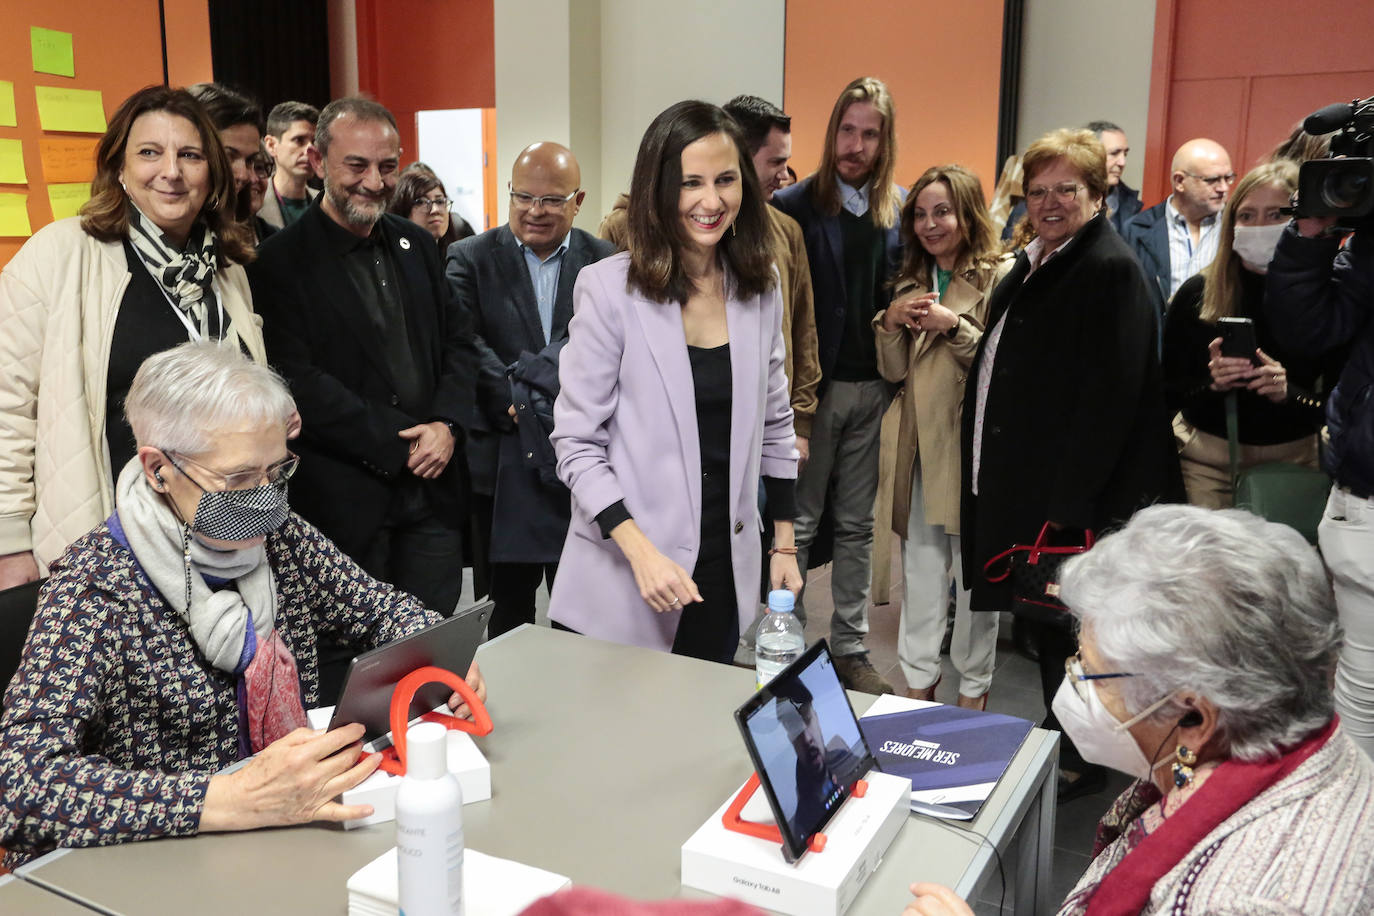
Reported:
(1320, 297)
(1075, 429)
(320, 338)
(489, 279)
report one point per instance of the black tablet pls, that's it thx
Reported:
(806, 746)
(449, 644)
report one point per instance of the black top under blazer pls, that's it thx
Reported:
(1075, 429)
(319, 337)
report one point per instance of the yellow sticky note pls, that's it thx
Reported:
(78, 110)
(52, 51)
(7, 116)
(14, 216)
(66, 199)
(12, 162)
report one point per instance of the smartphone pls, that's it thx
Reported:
(1238, 338)
(806, 746)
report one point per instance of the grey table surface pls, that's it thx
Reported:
(19, 898)
(604, 760)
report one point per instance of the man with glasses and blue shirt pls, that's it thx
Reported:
(516, 283)
(1177, 237)
(381, 363)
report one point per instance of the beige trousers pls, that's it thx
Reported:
(1206, 462)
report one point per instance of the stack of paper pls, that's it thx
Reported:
(491, 886)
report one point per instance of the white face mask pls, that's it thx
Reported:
(1255, 245)
(1097, 734)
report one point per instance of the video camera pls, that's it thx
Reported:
(1341, 187)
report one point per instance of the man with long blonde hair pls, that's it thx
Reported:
(848, 212)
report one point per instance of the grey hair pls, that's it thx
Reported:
(360, 107)
(1222, 603)
(181, 396)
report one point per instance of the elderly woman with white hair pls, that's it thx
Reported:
(179, 636)
(1207, 645)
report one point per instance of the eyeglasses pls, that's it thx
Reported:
(430, 204)
(262, 166)
(522, 201)
(1073, 668)
(1064, 193)
(275, 474)
(1228, 179)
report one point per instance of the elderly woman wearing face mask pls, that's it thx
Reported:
(153, 260)
(1278, 407)
(180, 635)
(1207, 645)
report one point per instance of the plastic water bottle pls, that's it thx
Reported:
(429, 827)
(780, 640)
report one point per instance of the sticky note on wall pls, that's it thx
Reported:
(66, 199)
(78, 110)
(14, 216)
(12, 162)
(67, 158)
(52, 51)
(7, 115)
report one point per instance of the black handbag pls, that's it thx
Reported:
(1034, 573)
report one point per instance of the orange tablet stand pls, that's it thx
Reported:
(731, 820)
(394, 757)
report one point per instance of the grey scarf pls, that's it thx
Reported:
(170, 557)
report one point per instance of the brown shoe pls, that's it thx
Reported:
(857, 673)
(979, 702)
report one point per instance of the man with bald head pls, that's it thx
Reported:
(516, 282)
(1178, 237)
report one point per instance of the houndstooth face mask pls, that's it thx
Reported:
(243, 514)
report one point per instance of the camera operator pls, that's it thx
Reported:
(1320, 295)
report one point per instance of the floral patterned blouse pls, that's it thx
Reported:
(114, 722)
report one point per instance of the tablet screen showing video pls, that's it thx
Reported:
(806, 746)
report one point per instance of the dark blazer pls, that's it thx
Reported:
(1127, 206)
(1148, 235)
(1075, 429)
(321, 340)
(489, 278)
(825, 251)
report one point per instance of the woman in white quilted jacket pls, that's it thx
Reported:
(153, 260)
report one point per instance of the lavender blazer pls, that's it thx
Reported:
(625, 427)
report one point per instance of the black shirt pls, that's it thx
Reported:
(711, 381)
(146, 323)
(372, 269)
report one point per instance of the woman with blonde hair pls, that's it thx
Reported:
(926, 341)
(1278, 409)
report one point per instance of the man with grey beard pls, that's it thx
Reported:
(381, 362)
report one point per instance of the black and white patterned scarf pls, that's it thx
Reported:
(185, 275)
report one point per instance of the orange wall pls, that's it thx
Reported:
(942, 63)
(116, 67)
(426, 55)
(1243, 72)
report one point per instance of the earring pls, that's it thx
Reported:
(733, 231)
(1183, 766)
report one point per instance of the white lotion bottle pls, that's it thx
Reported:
(429, 827)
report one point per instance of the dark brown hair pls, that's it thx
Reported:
(656, 234)
(978, 241)
(417, 180)
(106, 215)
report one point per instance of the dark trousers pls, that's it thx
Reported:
(708, 629)
(420, 555)
(513, 587)
(1055, 644)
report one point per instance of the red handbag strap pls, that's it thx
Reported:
(1033, 552)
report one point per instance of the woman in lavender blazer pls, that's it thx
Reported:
(674, 402)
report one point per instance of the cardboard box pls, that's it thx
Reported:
(732, 864)
(465, 762)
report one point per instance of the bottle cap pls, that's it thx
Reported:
(781, 600)
(426, 750)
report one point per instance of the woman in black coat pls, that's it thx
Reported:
(1064, 418)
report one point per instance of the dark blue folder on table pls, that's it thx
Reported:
(952, 756)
